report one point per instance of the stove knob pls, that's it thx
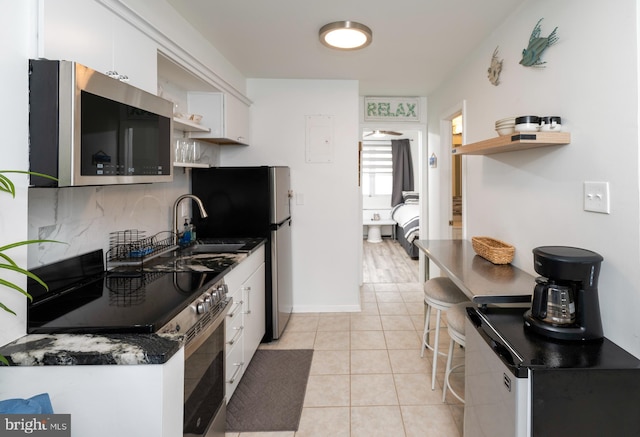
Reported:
(201, 307)
(223, 290)
(215, 298)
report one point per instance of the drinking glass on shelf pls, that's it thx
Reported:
(182, 151)
(178, 151)
(188, 151)
(195, 151)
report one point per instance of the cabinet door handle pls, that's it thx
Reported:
(237, 336)
(232, 313)
(248, 290)
(235, 374)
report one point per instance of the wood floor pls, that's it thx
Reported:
(387, 262)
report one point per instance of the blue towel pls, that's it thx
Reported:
(38, 404)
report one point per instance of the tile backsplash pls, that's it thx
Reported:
(83, 217)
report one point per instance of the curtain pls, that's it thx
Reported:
(402, 169)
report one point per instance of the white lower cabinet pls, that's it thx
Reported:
(245, 322)
(234, 368)
(254, 315)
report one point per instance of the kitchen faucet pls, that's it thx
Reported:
(203, 213)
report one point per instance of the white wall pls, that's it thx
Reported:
(534, 197)
(82, 217)
(14, 124)
(326, 218)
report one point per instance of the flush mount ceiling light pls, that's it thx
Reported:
(345, 35)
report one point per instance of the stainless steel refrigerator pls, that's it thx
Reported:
(247, 202)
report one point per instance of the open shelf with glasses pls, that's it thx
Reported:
(191, 165)
(517, 141)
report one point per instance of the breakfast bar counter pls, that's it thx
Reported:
(482, 281)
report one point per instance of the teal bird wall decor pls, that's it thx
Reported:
(537, 45)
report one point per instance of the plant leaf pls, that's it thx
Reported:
(22, 243)
(7, 186)
(3, 360)
(15, 287)
(7, 309)
(32, 173)
(7, 259)
(24, 272)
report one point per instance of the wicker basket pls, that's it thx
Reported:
(496, 251)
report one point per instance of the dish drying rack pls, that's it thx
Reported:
(130, 249)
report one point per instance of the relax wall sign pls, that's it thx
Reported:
(391, 109)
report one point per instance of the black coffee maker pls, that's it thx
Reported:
(565, 302)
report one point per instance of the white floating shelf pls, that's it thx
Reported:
(188, 126)
(191, 165)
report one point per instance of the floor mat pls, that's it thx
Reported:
(270, 395)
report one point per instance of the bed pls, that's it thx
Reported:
(407, 217)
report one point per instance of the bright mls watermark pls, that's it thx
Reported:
(37, 425)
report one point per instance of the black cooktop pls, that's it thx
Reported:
(83, 298)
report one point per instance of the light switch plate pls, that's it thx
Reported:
(596, 197)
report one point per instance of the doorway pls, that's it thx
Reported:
(456, 179)
(376, 185)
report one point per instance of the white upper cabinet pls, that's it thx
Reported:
(225, 115)
(86, 32)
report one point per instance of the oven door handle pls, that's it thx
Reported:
(239, 366)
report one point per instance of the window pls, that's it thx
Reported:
(377, 177)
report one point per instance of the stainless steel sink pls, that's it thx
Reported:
(217, 248)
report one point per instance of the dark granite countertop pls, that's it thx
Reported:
(91, 349)
(191, 259)
(125, 349)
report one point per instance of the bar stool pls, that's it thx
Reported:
(441, 294)
(455, 327)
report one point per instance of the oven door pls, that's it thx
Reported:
(204, 384)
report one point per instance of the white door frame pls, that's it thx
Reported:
(446, 138)
(421, 129)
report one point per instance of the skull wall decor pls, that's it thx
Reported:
(493, 72)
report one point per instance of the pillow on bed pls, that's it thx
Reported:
(410, 197)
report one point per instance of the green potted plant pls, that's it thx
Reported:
(6, 262)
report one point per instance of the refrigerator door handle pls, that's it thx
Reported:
(502, 352)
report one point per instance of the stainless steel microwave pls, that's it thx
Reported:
(86, 128)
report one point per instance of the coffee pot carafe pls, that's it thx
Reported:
(553, 303)
(565, 302)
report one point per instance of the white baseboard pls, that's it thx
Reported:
(327, 309)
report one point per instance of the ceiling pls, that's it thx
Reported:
(416, 43)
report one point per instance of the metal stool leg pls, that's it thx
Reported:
(447, 371)
(435, 351)
(425, 332)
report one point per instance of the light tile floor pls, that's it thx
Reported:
(367, 377)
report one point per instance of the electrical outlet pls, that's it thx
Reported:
(596, 197)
